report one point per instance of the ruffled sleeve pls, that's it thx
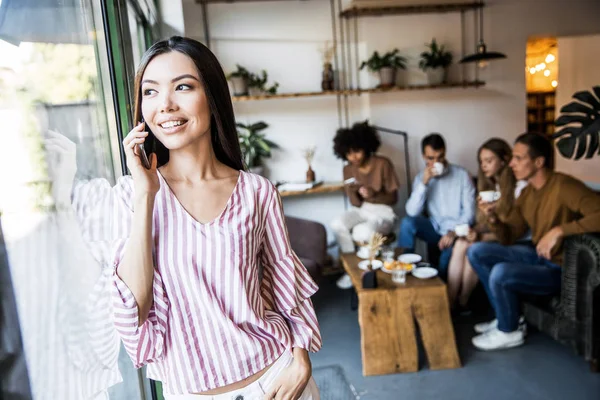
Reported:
(286, 284)
(144, 343)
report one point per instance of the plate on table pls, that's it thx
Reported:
(409, 258)
(424, 272)
(364, 264)
(397, 266)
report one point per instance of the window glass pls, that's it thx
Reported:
(59, 132)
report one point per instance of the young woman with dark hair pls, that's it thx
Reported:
(494, 174)
(189, 236)
(372, 189)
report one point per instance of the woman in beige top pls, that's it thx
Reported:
(371, 185)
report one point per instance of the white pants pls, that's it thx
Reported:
(359, 224)
(257, 389)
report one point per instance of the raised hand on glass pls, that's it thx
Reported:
(61, 154)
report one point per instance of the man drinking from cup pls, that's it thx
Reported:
(553, 206)
(446, 193)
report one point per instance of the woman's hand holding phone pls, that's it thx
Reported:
(145, 179)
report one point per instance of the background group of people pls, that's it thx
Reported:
(504, 230)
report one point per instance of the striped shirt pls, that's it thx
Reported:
(229, 295)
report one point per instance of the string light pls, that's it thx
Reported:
(554, 83)
(550, 58)
(547, 72)
(532, 71)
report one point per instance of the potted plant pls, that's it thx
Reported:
(239, 80)
(435, 63)
(257, 84)
(387, 66)
(254, 145)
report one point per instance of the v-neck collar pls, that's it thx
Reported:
(167, 188)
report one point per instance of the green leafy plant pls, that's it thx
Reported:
(391, 59)
(260, 82)
(253, 143)
(437, 56)
(580, 123)
(240, 72)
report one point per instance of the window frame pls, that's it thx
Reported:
(122, 75)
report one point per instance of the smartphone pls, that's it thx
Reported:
(142, 153)
(350, 181)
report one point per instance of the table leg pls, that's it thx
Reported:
(388, 342)
(432, 312)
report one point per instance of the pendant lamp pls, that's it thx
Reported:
(482, 54)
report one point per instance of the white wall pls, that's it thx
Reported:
(284, 38)
(171, 18)
(579, 70)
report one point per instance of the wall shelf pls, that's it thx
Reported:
(331, 187)
(354, 92)
(408, 9)
(465, 85)
(286, 95)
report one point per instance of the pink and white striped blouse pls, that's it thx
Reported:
(218, 316)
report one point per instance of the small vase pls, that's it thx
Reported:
(310, 175)
(327, 80)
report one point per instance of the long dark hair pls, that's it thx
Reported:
(223, 132)
(504, 178)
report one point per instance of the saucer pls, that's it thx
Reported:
(410, 258)
(365, 263)
(424, 272)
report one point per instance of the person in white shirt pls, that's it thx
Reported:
(446, 192)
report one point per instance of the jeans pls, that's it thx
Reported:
(508, 271)
(421, 227)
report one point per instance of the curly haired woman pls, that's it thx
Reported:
(372, 189)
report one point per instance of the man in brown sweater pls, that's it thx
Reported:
(553, 206)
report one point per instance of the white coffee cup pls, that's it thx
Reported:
(462, 230)
(438, 168)
(489, 196)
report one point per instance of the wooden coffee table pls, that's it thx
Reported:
(386, 317)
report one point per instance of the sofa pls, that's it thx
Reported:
(573, 317)
(309, 242)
